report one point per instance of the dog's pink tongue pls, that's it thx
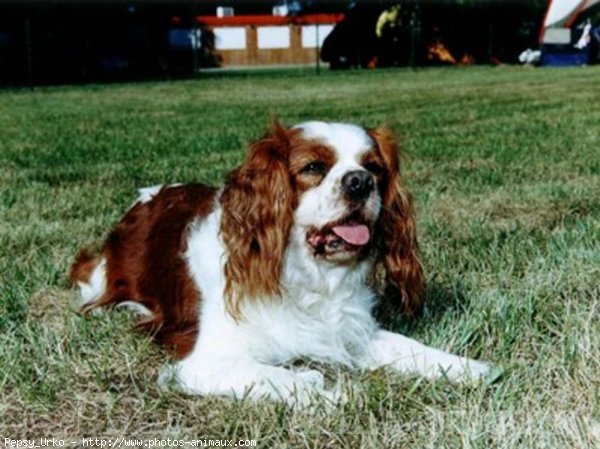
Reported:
(355, 234)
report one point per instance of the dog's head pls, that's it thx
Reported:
(336, 185)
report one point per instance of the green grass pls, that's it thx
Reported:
(505, 167)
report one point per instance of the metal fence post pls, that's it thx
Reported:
(29, 52)
(318, 50)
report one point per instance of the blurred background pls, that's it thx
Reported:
(62, 41)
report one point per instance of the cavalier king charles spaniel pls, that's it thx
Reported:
(288, 260)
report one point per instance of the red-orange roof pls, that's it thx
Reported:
(309, 19)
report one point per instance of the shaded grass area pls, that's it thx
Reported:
(505, 167)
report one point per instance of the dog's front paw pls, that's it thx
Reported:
(312, 377)
(299, 389)
(473, 371)
(294, 388)
(184, 378)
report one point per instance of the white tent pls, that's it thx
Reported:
(560, 16)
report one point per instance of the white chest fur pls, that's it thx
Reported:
(324, 314)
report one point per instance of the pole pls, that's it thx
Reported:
(318, 50)
(415, 37)
(195, 48)
(28, 53)
(490, 42)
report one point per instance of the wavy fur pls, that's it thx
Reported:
(404, 281)
(258, 206)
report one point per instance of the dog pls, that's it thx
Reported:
(288, 260)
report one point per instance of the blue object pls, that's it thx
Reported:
(564, 55)
(184, 39)
(565, 59)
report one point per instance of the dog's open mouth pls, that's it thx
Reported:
(349, 235)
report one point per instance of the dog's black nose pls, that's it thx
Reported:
(358, 184)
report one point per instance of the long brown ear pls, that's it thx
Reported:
(398, 248)
(258, 206)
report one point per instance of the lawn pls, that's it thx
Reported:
(504, 164)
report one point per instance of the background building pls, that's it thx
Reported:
(61, 41)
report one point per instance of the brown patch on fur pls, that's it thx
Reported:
(403, 282)
(84, 264)
(258, 207)
(373, 161)
(309, 152)
(144, 263)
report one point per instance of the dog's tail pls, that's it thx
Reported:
(82, 267)
(89, 273)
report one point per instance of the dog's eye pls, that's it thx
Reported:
(374, 168)
(314, 168)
